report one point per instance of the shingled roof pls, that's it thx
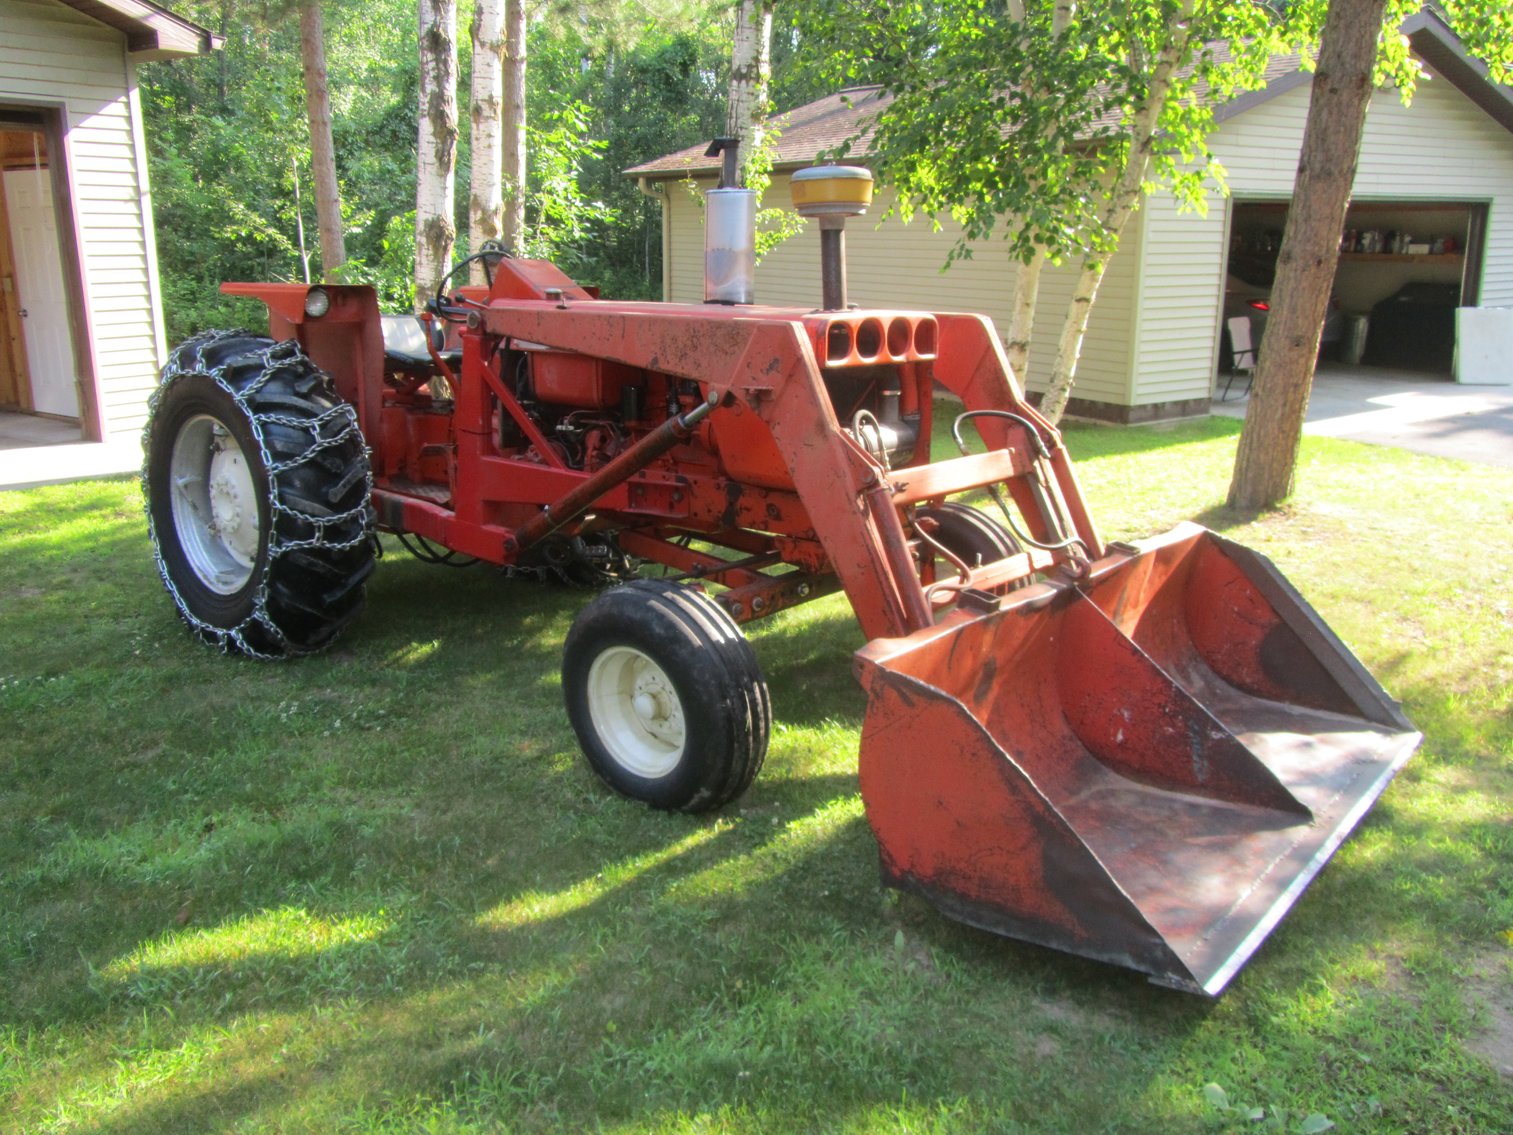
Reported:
(808, 131)
(803, 134)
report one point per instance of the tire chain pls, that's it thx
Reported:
(189, 358)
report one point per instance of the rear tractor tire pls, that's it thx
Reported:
(258, 495)
(666, 696)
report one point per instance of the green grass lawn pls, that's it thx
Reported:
(378, 890)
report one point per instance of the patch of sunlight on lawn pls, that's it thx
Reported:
(131, 1075)
(413, 653)
(536, 906)
(795, 841)
(290, 932)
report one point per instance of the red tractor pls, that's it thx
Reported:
(1135, 752)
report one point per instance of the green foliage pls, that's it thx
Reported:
(609, 87)
(1276, 1119)
(392, 274)
(1486, 28)
(1012, 126)
(558, 215)
(227, 135)
(641, 88)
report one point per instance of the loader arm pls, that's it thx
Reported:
(762, 361)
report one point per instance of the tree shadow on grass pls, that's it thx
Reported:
(744, 965)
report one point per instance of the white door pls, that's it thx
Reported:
(44, 301)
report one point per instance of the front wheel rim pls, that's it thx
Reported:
(214, 501)
(636, 712)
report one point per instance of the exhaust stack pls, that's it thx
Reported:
(831, 193)
(729, 231)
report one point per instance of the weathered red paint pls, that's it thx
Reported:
(1039, 771)
(1140, 756)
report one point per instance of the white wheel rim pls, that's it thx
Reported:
(214, 501)
(636, 712)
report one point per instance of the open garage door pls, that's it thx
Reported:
(40, 289)
(1404, 269)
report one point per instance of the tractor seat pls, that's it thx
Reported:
(405, 344)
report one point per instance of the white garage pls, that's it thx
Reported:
(1438, 172)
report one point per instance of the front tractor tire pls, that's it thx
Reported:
(969, 533)
(257, 486)
(666, 696)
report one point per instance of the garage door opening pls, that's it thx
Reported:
(1404, 269)
(39, 364)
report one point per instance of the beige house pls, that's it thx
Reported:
(81, 330)
(1438, 172)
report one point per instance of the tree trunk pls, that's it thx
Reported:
(299, 221)
(1273, 430)
(1124, 197)
(750, 78)
(1026, 291)
(436, 174)
(514, 125)
(312, 45)
(1025, 281)
(1073, 329)
(485, 203)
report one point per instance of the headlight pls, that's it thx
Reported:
(317, 302)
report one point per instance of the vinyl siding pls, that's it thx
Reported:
(896, 265)
(1175, 338)
(1439, 148)
(50, 53)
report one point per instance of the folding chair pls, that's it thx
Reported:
(1242, 359)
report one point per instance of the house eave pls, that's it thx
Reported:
(1434, 43)
(152, 33)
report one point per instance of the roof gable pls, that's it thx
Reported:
(802, 134)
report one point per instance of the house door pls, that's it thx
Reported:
(39, 294)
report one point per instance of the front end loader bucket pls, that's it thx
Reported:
(1146, 768)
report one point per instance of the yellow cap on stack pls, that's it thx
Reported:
(832, 191)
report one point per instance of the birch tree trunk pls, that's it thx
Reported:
(312, 45)
(436, 175)
(514, 125)
(1267, 457)
(1025, 277)
(1026, 292)
(750, 78)
(1124, 197)
(485, 202)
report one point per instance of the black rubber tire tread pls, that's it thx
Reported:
(726, 706)
(740, 662)
(970, 532)
(308, 580)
